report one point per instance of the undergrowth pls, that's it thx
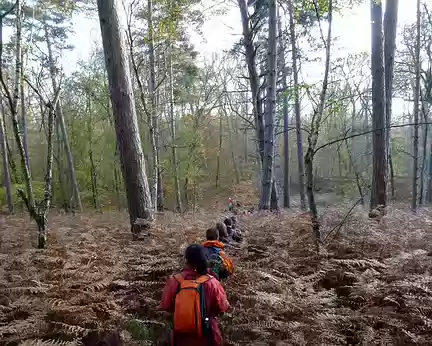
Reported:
(370, 285)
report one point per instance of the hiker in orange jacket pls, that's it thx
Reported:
(195, 310)
(219, 263)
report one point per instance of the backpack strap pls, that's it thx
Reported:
(179, 278)
(202, 279)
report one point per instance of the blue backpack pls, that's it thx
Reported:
(214, 260)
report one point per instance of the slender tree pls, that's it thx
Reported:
(390, 26)
(417, 63)
(297, 111)
(378, 193)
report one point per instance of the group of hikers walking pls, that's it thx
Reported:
(196, 296)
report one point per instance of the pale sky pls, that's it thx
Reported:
(220, 32)
(351, 31)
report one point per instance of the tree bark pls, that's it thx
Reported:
(6, 172)
(390, 28)
(219, 151)
(379, 174)
(268, 162)
(123, 104)
(24, 115)
(315, 127)
(286, 191)
(301, 170)
(416, 111)
(60, 117)
(152, 119)
(176, 176)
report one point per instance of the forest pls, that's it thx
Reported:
(114, 164)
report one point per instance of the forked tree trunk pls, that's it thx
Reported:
(416, 111)
(297, 111)
(59, 114)
(6, 172)
(268, 160)
(176, 177)
(315, 127)
(390, 26)
(126, 124)
(379, 162)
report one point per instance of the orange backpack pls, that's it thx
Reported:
(190, 315)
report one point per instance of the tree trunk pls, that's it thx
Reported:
(429, 188)
(379, 174)
(286, 191)
(176, 176)
(300, 160)
(24, 116)
(416, 111)
(315, 127)
(219, 151)
(13, 105)
(123, 104)
(268, 162)
(59, 114)
(153, 111)
(60, 170)
(6, 172)
(390, 26)
(232, 145)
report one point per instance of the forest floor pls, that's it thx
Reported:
(371, 284)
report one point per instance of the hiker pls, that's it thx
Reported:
(195, 298)
(236, 233)
(223, 232)
(219, 263)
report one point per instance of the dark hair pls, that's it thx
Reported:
(233, 221)
(212, 234)
(196, 259)
(222, 230)
(228, 221)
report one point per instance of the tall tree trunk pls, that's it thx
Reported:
(13, 105)
(232, 145)
(416, 111)
(429, 188)
(379, 174)
(390, 26)
(301, 171)
(93, 173)
(219, 151)
(286, 191)
(253, 77)
(59, 114)
(24, 115)
(6, 172)
(152, 119)
(123, 104)
(176, 176)
(60, 170)
(268, 162)
(315, 127)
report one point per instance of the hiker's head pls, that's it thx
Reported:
(212, 234)
(196, 259)
(222, 230)
(228, 222)
(233, 221)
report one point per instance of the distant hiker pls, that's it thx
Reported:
(195, 298)
(219, 263)
(236, 233)
(223, 232)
